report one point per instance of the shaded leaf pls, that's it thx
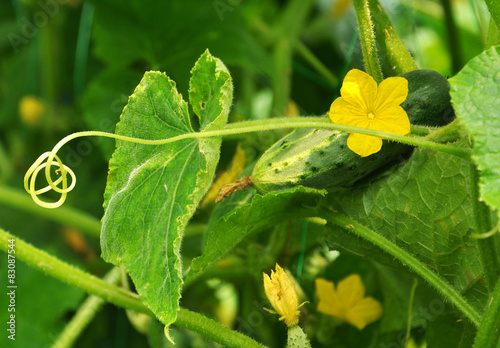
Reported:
(426, 208)
(262, 212)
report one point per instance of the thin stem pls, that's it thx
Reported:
(48, 159)
(410, 311)
(58, 269)
(84, 315)
(406, 259)
(64, 215)
(488, 335)
(367, 38)
(273, 124)
(317, 64)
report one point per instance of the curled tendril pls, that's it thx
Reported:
(51, 159)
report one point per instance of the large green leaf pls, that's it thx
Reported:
(152, 191)
(425, 207)
(475, 94)
(262, 212)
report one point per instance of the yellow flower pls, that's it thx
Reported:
(362, 104)
(31, 110)
(347, 302)
(281, 293)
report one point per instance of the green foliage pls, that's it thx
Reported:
(409, 230)
(152, 192)
(425, 206)
(475, 97)
(261, 213)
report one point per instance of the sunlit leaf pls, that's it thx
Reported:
(475, 94)
(152, 191)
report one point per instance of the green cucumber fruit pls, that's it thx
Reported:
(320, 158)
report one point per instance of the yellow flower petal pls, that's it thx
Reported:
(282, 296)
(329, 302)
(364, 312)
(359, 89)
(364, 145)
(342, 112)
(347, 302)
(392, 91)
(351, 289)
(393, 120)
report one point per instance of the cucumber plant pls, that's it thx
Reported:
(320, 158)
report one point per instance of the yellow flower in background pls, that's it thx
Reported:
(281, 293)
(363, 104)
(347, 302)
(31, 110)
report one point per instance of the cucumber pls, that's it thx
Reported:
(320, 158)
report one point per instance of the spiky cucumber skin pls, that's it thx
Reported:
(319, 158)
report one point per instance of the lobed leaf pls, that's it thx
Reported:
(152, 191)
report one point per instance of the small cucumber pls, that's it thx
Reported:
(320, 158)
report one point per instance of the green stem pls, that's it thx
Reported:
(288, 30)
(487, 249)
(64, 215)
(58, 269)
(494, 8)
(367, 38)
(389, 41)
(452, 35)
(47, 159)
(488, 335)
(214, 331)
(317, 64)
(84, 315)
(273, 124)
(410, 311)
(406, 259)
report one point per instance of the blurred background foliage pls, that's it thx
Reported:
(70, 65)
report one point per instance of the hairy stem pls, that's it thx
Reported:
(367, 38)
(58, 269)
(390, 43)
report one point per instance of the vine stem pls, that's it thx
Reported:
(48, 159)
(367, 38)
(267, 125)
(58, 269)
(405, 258)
